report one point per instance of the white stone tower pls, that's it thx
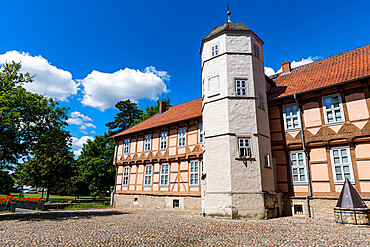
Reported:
(240, 174)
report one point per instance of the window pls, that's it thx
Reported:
(201, 133)
(298, 209)
(176, 203)
(194, 173)
(214, 50)
(164, 174)
(267, 161)
(341, 163)
(164, 136)
(333, 111)
(241, 87)
(244, 147)
(148, 175)
(261, 102)
(126, 172)
(298, 167)
(148, 139)
(126, 146)
(256, 51)
(182, 137)
(291, 117)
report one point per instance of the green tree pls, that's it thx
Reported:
(31, 128)
(126, 117)
(96, 164)
(6, 183)
(151, 111)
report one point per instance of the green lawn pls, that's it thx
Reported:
(56, 198)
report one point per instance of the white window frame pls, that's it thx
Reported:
(267, 161)
(125, 176)
(245, 147)
(194, 173)
(201, 133)
(126, 146)
(165, 175)
(298, 167)
(291, 117)
(163, 140)
(182, 137)
(341, 165)
(215, 50)
(148, 175)
(238, 86)
(147, 143)
(333, 109)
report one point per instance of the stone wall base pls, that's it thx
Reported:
(140, 201)
(320, 207)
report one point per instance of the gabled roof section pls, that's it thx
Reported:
(184, 111)
(340, 68)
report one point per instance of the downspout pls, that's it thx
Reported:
(115, 179)
(307, 163)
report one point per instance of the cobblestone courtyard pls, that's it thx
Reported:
(114, 227)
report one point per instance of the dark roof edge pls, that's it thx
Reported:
(320, 88)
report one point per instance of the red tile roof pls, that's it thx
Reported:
(187, 110)
(336, 69)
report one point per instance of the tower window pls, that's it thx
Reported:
(244, 147)
(241, 87)
(214, 50)
(261, 102)
(256, 51)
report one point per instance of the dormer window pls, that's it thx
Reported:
(241, 87)
(256, 51)
(214, 50)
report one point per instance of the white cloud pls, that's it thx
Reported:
(77, 118)
(270, 71)
(79, 142)
(48, 80)
(104, 90)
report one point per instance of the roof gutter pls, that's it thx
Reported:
(307, 159)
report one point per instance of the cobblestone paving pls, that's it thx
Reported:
(114, 227)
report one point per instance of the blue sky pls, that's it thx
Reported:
(91, 54)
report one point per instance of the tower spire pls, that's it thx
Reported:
(228, 13)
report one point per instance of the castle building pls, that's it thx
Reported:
(253, 146)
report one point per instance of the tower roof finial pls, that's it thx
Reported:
(228, 13)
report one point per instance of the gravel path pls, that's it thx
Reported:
(115, 227)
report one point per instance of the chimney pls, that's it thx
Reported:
(286, 67)
(162, 106)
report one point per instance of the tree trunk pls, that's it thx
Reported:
(42, 195)
(47, 195)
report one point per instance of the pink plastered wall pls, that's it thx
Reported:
(356, 105)
(311, 114)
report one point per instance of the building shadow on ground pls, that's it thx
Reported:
(59, 215)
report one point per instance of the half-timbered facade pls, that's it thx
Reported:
(253, 146)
